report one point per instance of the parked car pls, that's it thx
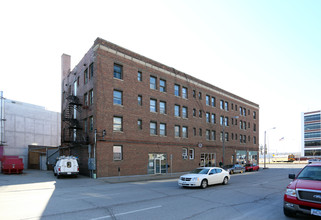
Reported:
(314, 160)
(303, 194)
(236, 168)
(66, 165)
(251, 167)
(204, 176)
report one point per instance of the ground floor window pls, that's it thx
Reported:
(241, 156)
(118, 152)
(157, 163)
(191, 154)
(316, 152)
(253, 157)
(184, 153)
(208, 160)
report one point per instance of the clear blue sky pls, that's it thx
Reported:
(266, 51)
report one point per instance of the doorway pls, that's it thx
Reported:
(157, 163)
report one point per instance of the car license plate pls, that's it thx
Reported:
(68, 173)
(316, 212)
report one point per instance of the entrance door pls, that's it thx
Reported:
(157, 165)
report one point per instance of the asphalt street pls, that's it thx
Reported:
(39, 195)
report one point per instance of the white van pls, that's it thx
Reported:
(66, 165)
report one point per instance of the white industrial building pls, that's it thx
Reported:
(24, 124)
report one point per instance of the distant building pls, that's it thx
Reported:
(25, 124)
(311, 134)
(150, 118)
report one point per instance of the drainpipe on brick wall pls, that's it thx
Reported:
(94, 173)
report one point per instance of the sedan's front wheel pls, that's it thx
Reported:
(225, 181)
(204, 184)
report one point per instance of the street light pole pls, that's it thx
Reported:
(265, 148)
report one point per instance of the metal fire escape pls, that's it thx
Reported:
(72, 132)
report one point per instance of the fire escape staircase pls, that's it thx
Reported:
(73, 132)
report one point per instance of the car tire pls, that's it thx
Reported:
(225, 180)
(204, 184)
(289, 213)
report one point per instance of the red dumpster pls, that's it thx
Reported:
(11, 164)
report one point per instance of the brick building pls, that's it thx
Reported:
(311, 134)
(125, 114)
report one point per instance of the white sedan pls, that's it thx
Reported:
(204, 176)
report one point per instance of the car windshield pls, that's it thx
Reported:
(200, 171)
(310, 173)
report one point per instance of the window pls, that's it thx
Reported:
(118, 71)
(194, 131)
(207, 100)
(152, 105)
(86, 76)
(118, 123)
(184, 132)
(176, 90)
(244, 125)
(213, 119)
(162, 107)
(213, 136)
(184, 153)
(91, 97)
(191, 154)
(200, 95)
(91, 123)
(78, 81)
(213, 101)
(140, 100)
(184, 93)
(200, 132)
(207, 134)
(162, 129)
(254, 140)
(222, 104)
(194, 93)
(232, 106)
(118, 152)
(177, 111)
(200, 113)
(118, 97)
(91, 70)
(140, 124)
(241, 110)
(254, 115)
(85, 99)
(241, 124)
(184, 112)
(139, 76)
(194, 112)
(208, 119)
(226, 106)
(226, 121)
(244, 111)
(162, 85)
(177, 131)
(152, 82)
(226, 136)
(221, 120)
(153, 128)
(85, 125)
(254, 127)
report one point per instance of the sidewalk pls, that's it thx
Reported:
(139, 178)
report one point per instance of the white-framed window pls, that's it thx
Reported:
(162, 107)
(153, 128)
(162, 129)
(118, 97)
(207, 99)
(184, 132)
(162, 85)
(191, 153)
(177, 111)
(152, 105)
(177, 131)
(152, 82)
(118, 152)
(184, 112)
(184, 93)
(117, 123)
(184, 153)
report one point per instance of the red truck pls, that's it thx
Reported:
(303, 194)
